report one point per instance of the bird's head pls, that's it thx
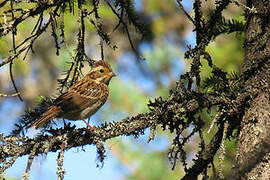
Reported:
(101, 72)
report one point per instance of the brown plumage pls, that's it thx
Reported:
(83, 98)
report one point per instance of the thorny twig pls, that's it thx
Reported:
(127, 31)
(253, 9)
(14, 49)
(222, 151)
(60, 159)
(8, 95)
(186, 13)
(29, 163)
(41, 7)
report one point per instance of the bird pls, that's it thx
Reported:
(83, 99)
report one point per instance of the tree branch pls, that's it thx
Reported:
(28, 13)
(167, 113)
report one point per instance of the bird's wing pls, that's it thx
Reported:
(81, 95)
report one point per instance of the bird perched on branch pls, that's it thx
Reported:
(83, 98)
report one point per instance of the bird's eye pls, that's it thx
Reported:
(102, 71)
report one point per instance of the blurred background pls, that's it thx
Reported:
(137, 81)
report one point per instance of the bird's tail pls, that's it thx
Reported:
(50, 114)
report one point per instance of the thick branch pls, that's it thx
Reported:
(75, 138)
(128, 126)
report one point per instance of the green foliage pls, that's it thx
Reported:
(160, 57)
(127, 97)
(226, 54)
(143, 163)
(128, 7)
(229, 26)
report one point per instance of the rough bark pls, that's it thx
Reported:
(253, 156)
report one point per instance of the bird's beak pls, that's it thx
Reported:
(112, 74)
